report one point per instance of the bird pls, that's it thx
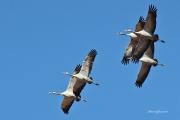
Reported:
(143, 49)
(134, 40)
(86, 68)
(146, 35)
(150, 25)
(69, 94)
(147, 62)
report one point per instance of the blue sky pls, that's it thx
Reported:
(41, 38)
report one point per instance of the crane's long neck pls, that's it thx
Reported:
(130, 34)
(125, 34)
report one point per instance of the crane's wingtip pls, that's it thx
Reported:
(138, 85)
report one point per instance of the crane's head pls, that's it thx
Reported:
(66, 73)
(128, 30)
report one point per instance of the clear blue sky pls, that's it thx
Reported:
(41, 38)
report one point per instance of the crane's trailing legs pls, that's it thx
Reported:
(95, 83)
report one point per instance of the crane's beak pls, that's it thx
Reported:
(121, 33)
(65, 73)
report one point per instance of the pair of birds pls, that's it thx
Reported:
(78, 80)
(141, 46)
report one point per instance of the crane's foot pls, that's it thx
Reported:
(84, 100)
(162, 65)
(96, 83)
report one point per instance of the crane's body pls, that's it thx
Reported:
(83, 77)
(147, 59)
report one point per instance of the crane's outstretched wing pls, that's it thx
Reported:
(150, 25)
(145, 67)
(68, 101)
(73, 80)
(88, 63)
(140, 24)
(77, 69)
(143, 73)
(78, 87)
(129, 50)
(146, 46)
(66, 104)
(140, 48)
(144, 42)
(79, 84)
